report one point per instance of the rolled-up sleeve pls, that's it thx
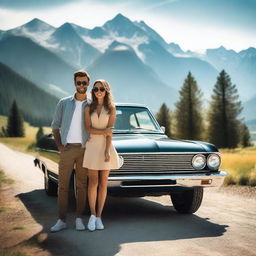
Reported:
(56, 122)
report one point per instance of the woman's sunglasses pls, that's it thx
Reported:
(96, 89)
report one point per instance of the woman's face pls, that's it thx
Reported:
(99, 91)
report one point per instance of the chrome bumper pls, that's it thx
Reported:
(184, 180)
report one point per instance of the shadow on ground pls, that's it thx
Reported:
(127, 220)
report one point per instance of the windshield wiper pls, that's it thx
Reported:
(140, 128)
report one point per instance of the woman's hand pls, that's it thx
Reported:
(108, 131)
(107, 156)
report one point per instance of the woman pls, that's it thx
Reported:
(100, 155)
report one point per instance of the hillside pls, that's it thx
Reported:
(36, 105)
(37, 64)
(130, 79)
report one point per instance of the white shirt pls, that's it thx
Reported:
(76, 126)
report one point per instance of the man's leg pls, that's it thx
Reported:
(66, 165)
(81, 183)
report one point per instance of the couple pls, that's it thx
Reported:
(82, 131)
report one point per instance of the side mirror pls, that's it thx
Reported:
(163, 128)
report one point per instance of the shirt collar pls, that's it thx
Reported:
(72, 98)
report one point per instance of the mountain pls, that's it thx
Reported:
(71, 47)
(36, 29)
(76, 47)
(175, 49)
(37, 64)
(240, 66)
(249, 108)
(248, 53)
(130, 79)
(173, 70)
(121, 26)
(221, 57)
(151, 33)
(36, 105)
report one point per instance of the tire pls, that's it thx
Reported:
(50, 187)
(187, 201)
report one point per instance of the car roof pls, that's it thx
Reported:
(121, 104)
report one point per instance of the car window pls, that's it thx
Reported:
(142, 120)
(135, 119)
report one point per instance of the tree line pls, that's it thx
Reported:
(35, 104)
(219, 124)
(15, 124)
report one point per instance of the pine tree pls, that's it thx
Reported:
(3, 132)
(39, 134)
(15, 126)
(164, 118)
(189, 121)
(223, 126)
(245, 138)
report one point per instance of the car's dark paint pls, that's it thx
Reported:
(128, 143)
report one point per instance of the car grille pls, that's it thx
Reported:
(151, 163)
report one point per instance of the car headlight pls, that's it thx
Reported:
(213, 161)
(199, 162)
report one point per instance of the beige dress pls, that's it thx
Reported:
(94, 156)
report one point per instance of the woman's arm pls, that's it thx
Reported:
(110, 125)
(88, 124)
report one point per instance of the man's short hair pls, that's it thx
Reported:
(81, 73)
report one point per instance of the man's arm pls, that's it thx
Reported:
(57, 139)
(56, 123)
(88, 125)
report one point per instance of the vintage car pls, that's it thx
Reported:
(153, 163)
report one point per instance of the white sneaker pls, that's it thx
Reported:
(99, 224)
(58, 226)
(79, 224)
(91, 224)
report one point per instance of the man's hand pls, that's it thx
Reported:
(107, 156)
(61, 147)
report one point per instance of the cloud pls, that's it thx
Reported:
(33, 4)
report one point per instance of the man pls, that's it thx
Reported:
(70, 136)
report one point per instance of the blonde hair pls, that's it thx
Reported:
(108, 102)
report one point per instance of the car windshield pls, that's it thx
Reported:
(135, 120)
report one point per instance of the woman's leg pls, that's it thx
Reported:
(92, 190)
(102, 190)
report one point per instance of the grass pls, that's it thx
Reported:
(240, 163)
(18, 228)
(9, 253)
(2, 210)
(4, 179)
(24, 144)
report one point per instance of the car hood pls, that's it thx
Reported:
(129, 143)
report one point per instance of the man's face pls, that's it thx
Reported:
(81, 84)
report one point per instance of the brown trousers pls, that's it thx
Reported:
(71, 157)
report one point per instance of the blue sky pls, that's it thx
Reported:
(193, 24)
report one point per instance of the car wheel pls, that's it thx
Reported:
(50, 187)
(187, 201)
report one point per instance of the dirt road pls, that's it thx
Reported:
(224, 225)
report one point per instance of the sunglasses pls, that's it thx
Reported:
(96, 89)
(81, 82)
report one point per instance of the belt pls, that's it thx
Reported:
(75, 144)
